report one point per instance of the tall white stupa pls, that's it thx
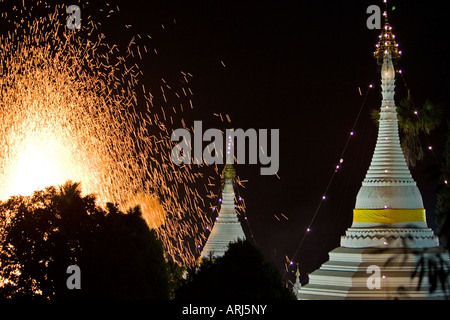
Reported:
(388, 241)
(227, 228)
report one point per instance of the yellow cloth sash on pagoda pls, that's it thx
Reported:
(388, 216)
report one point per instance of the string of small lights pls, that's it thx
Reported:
(335, 171)
(386, 44)
(416, 112)
(241, 200)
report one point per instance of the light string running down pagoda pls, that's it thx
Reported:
(337, 166)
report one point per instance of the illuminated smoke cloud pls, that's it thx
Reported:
(72, 107)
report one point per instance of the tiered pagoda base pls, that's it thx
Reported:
(347, 275)
(380, 237)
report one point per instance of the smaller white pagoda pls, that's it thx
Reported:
(227, 228)
(297, 285)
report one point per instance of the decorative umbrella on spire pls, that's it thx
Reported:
(387, 43)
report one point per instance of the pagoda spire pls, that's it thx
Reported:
(389, 231)
(389, 197)
(227, 228)
(386, 43)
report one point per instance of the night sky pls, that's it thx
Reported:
(294, 66)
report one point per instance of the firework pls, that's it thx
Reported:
(72, 108)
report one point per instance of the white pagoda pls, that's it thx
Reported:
(227, 228)
(297, 284)
(388, 244)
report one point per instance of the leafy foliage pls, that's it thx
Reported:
(242, 273)
(41, 235)
(413, 122)
(437, 270)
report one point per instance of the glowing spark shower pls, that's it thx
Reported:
(70, 109)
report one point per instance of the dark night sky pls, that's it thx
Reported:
(294, 66)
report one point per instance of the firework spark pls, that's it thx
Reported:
(69, 110)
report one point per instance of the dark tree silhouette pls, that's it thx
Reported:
(41, 235)
(128, 259)
(242, 273)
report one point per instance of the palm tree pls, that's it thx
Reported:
(413, 122)
(70, 191)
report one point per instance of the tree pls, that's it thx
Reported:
(176, 273)
(127, 259)
(413, 122)
(242, 273)
(41, 235)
